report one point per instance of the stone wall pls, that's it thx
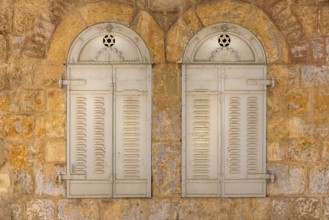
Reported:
(35, 37)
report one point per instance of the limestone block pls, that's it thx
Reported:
(318, 47)
(23, 184)
(97, 12)
(89, 209)
(46, 180)
(206, 209)
(48, 76)
(56, 100)
(303, 150)
(166, 6)
(283, 208)
(275, 100)
(315, 75)
(180, 34)
(166, 81)
(6, 17)
(325, 151)
(308, 208)
(84, 209)
(24, 17)
(51, 125)
(4, 183)
(324, 20)
(285, 74)
(17, 212)
(9, 101)
(40, 209)
(70, 27)
(307, 15)
(296, 101)
(166, 119)
(32, 101)
(17, 126)
(160, 209)
(306, 2)
(3, 73)
(3, 50)
(321, 101)
(5, 208)
(3, 154)
(289, 180)
(133, 209)
(319, 180)
(326, 208)
(152, 34)
(277, 127)
(166, 168)
(275, 150)
(22, 156)
(55, 151)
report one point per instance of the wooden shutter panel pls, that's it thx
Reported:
(200, 131)
(132, 131)
(244, 127)
(89, 131)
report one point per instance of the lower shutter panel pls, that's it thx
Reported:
(244, 144)
(132, 133)
(90, 144)
(201, 145)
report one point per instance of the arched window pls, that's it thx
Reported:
(224, 114)
(108, 84)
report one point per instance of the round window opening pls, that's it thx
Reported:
(108, 40)
(224, 40)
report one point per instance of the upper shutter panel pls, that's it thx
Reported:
(244, 125)
(201, 132)
(132, 131)
(89, 132)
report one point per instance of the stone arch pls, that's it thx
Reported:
(244, 14)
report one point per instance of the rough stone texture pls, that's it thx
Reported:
(319, 180)
(289, 180)
(5, 209)
(315, 76)
(282, 208)
(152, 35)
(56, 100)
(40, 210)
(73, 209)
(308, 17)
(24, 184)
(318, 49)
(296, 101)
(324, 20)
(55, 151)
(46, 179)
(308, 208)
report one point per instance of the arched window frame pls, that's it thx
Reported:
(224, 80)
(108, 86)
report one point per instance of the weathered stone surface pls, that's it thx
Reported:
(288, 180)
(46, 181)
(6, 17)
(321, 101)
(303, 150)
(9, 101)
(23, 184)
(277, 127)
(307, 15)
(17, 212)
(4, 183)
(24, 17)
(315, 76)
(275, 100)
(48, 76)
(324, 20)
(308, 208)
(306, 2)
(318, 49)
(282, 208)
(97, 12)
(319, 180)
(325, 208)
(32, 101)
(166, 81)
(56, 100)
(203, 209)
(55, 151)
(52, 125)
(73, 209)
(40, 209)
(166, 6)
(22, 156)
(167, 170)
(275, 150)
(152, 34)
(5, 208)
(180, 34)
(285, 74)
(325, 151)
(3, 49)
(296, 101)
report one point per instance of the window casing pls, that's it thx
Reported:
(224, 114)
(108, 80)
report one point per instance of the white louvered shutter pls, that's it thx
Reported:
(89, 131)
(201, 131)
(132, 131)
(244, 131)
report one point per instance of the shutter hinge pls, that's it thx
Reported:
(267, 82)
(75, 82)
(62, 176)
(268, 176)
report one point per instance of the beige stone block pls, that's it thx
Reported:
(3, 50)
(324, 20)
(4, 183)
(6, 17)
(46, 180)
(319, 180)
(48, 75)
(40, 209)
(308, 208)
(289, 180)
(97, 12)
(275, 100)
(63, 37)
(152, 34)
(9, 102)
(285, 74)
(23, 18)
(275, 151)
(32, 101)
(56, 99)
(55, 125)
(308, 16)
(180, 34)
(277, 127)
(20, 127)
(325, 151)
(23, 183)
(166, 81)
(283, 208)
(321, 101)
(296, 101)
(55, 151)
(303, 150)
(19, 157)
